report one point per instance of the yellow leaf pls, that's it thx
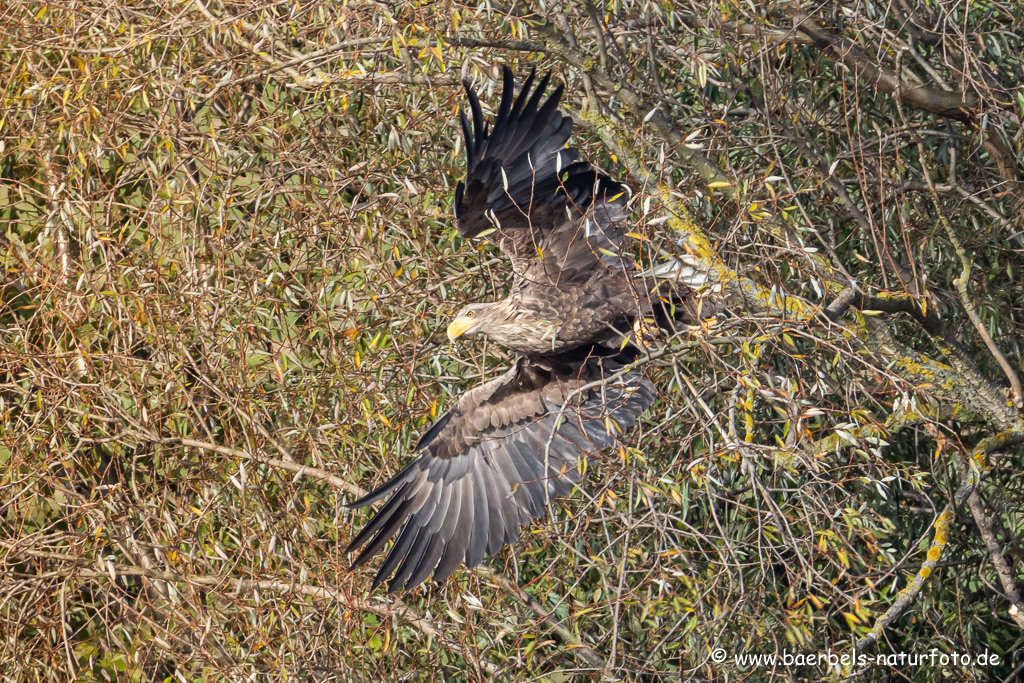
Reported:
(719, 183)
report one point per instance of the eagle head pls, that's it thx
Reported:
(471, 320)
(504, 323)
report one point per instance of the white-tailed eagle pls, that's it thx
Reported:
(490, 464)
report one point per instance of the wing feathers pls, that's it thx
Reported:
(407, 539)
(476, 546)
(478, 121)
(386, 522)
(508, 84)
(461, 531)
(523, 165)
(437, 517)
(467, 135)
(385, 488)
(471, 488)
(496, 493)
(425, 544)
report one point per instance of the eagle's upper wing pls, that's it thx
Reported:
(489, 465)
(554, 216)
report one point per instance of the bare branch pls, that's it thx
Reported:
(957, 106)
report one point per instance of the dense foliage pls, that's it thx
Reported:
(228, 262)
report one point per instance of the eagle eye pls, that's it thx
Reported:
(471, 314)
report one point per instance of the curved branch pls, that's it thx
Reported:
(983, 520)
(968, 482)
(950, 104)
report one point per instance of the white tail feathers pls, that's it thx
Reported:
(683, 269)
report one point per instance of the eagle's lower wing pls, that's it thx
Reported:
(490, 464)
(528, 193)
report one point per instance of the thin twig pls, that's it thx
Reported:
(968, 481)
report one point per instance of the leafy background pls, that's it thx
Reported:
(228, 261)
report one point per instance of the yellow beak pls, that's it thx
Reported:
(458, 327)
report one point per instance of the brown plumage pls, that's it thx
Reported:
(490, 464)
(556, 218)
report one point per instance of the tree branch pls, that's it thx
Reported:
(385, 611)
(950, 104)
(422, 624)
(574, 643)
(968, 482)
(745, 30)
(1003, 571)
